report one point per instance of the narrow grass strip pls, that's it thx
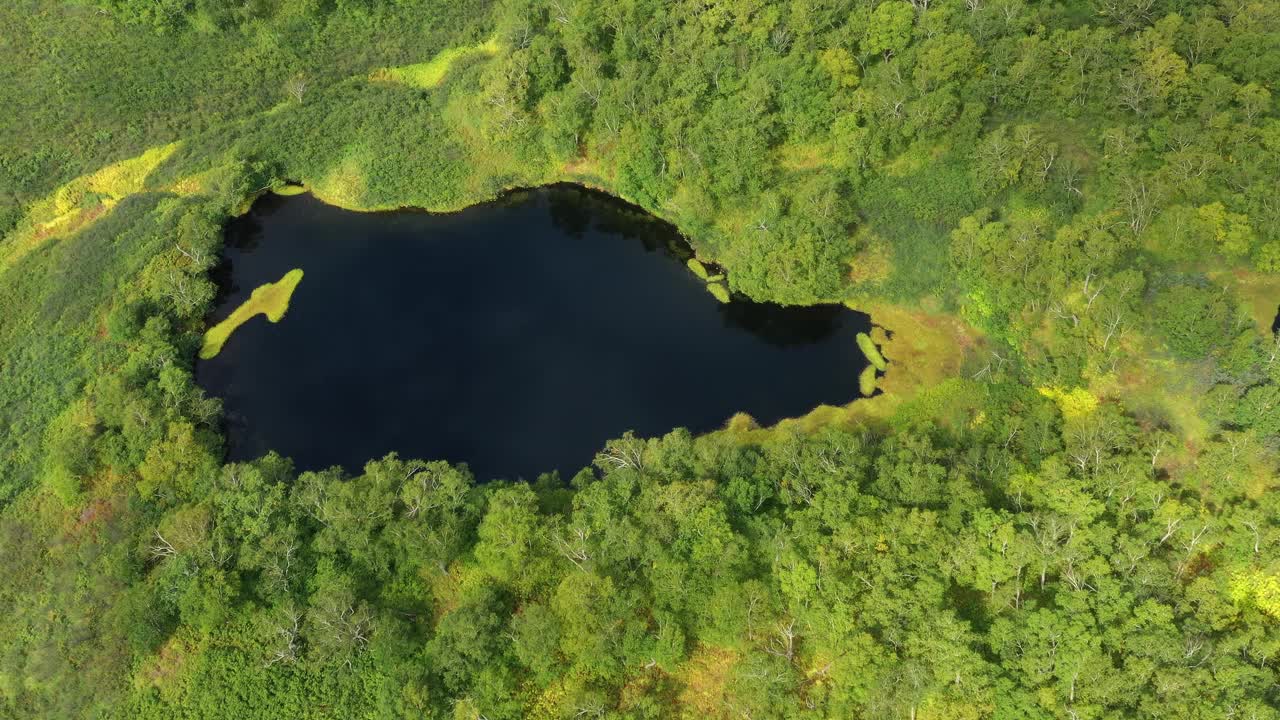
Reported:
(872, 352)
(430, 74)
(867, 381)
(271, 300)
(697, 268)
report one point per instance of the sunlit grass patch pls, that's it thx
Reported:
(165, 669)
(922, 365)
(289, 190)
(925, 348)
(271, 300)
(697, 268)
(1258, 292)
(430, 74)
(704, 680)
(804, 156)
(1167, 389)
(867, 381)
(872, 353)
(344, 185)
(914, 159)
(80, 202)
(720, 292)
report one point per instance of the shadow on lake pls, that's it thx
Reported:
(516, 336)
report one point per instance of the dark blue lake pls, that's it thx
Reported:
(516, 336)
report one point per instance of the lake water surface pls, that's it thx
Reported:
(516, 336)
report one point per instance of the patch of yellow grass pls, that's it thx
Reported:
(705, 677)
(548, 703)
(872, 353)
(585, 170)
(166, 669)
(80, 202)
(431, 74)
(804, 156)
(926, 348)
(912, 160)
(1259, 292)
(271, 300)
(924, 359)
(1170, 388)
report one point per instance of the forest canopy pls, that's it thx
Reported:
(1065, 216)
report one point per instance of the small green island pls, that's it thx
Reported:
(867, 378)
(715, 282)
(872, 352)
(271, 300)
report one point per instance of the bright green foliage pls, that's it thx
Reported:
(889, 29)
(1268, 259)
(1229, 231)
(1191, 319)
(841, 65)
(1080, 521)
(1259, 590)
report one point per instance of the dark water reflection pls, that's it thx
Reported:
(516, 336)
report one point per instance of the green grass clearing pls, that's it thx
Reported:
(271, 300)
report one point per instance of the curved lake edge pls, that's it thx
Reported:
(874, 407)
(926, 343)
(735, 421)
(292, 188)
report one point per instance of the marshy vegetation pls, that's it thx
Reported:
(430, 74)
(271, 300)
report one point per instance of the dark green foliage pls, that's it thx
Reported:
(1192, 319)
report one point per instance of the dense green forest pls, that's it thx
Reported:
(1065, 214)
